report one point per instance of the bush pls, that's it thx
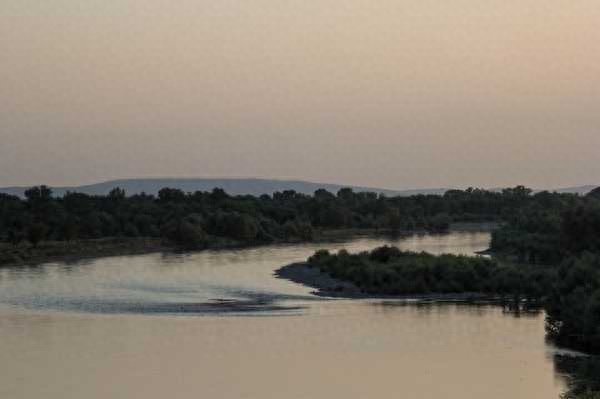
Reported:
(388, 270)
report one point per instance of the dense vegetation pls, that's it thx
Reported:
(200, 218)
(566, 236)
(390, 271)
(584, 376)
(551, 230)
(583, 395)
(573, 305)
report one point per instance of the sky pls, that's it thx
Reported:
(396, 94)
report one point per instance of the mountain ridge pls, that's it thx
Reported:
(239, 186)
(233, 186)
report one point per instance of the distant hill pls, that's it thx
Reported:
(582, 190)
(231, 186)
(242, 186)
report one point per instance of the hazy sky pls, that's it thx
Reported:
(397, 94)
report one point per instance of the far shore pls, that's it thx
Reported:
(72, 251)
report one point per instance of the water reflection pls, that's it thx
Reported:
(114, 328)
(192, 283)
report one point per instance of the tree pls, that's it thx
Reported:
(573, 307)
(36, 232)
(323, 195)
(305, 231)
(346, 195)
(185, 233)
(218, 194)
(580, 228)
(290, 230)
(130, 230)
(15, 235)
(393, 220)
(38, 194)
(171, 195)
(594, 194)
(70, 228)
(286, 195)
(440, 222)
(116, 194)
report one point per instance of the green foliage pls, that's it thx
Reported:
(187, 233)
(36, 232)
(38, 194)
(563, 231)
(286, 215)
(584, 375)
(595, 193)
(580, 228)
(388, 270)
(116, 194)
(298, 230)
(573, 307)
(550, 229)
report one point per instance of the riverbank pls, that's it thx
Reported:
(69, 251)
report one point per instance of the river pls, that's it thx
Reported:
(218, 324)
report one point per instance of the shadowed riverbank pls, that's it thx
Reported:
(25, 254)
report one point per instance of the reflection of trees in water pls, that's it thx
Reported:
(582, 374)
(476, 307)
(521, 308)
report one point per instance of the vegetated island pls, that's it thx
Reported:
(388, 272)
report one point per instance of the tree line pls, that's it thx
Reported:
(551, 230)
(565, 238)
(196, 219)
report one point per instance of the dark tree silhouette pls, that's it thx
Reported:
(36, 232)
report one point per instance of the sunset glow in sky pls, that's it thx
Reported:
(398, 94)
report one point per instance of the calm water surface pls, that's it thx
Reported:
(219, 325)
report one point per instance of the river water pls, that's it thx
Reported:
(219, 325)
